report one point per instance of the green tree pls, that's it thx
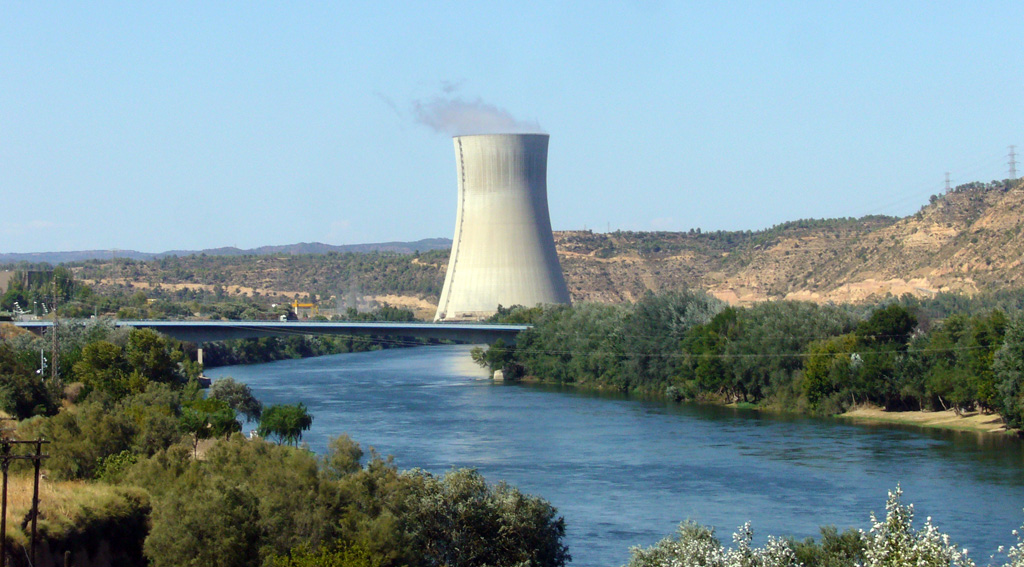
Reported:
(1008, 369)
(765, 351)
(828, 370)
(286, 422)
(103, 368)
(238, 397)
(343, 456)
(987, 336)
(208, 418)
(23, 393)
(881, 345)
(892, 324)
(154, 415)
(81, 437)
(496, 356)
(154, 357)
(657, 329)
(706, 346)
(205, 521)
(836, 549)
(461, 521)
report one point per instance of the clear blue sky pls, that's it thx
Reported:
(193, 125)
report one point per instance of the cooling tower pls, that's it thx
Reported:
(503, 252)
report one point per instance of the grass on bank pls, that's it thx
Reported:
(66, 506)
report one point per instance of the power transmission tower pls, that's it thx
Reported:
(1013, 163)
(947, 182)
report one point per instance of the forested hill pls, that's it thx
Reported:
(967, 240)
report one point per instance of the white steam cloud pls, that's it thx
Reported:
(458, 117)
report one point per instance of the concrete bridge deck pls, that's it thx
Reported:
(207, 331)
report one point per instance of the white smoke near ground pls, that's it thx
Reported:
(458, 117)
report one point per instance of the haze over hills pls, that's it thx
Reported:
(968, 240)
(300, 248)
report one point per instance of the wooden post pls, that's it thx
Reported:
(6, 443)
(5, 452)
(35, 498)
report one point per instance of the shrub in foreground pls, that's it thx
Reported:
(892, 542)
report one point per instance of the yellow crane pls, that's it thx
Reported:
(312, 307)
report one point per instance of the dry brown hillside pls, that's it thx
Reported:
(968, 240)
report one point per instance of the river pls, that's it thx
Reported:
(626, 472)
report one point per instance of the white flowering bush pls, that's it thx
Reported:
(892, 542)
(1015, 554)
(697, 546)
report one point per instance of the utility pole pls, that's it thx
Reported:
(947, 182)
(1013, 163)
(7, 454)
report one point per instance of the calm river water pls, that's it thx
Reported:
(626, 472)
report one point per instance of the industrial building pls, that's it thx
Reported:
(503, 252)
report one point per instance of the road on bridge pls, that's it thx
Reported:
(207, 331)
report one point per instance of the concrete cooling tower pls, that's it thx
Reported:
(503, 252)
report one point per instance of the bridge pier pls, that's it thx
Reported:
(199, 354)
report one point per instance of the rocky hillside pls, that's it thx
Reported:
(968, 240)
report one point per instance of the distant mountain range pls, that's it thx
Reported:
(302, 248)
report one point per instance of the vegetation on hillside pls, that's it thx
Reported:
(300, 276)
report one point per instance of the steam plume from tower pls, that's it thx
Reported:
(503, 252)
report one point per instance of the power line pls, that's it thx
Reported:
(752, 355)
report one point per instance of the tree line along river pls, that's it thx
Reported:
(625, 472)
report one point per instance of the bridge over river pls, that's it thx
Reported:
(208, 331)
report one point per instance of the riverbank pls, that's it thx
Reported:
(974, 421)
(970, 421)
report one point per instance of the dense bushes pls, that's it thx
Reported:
(23, 393)
(102, 359)
(794, 355)
(123, 392)
(251, 501)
